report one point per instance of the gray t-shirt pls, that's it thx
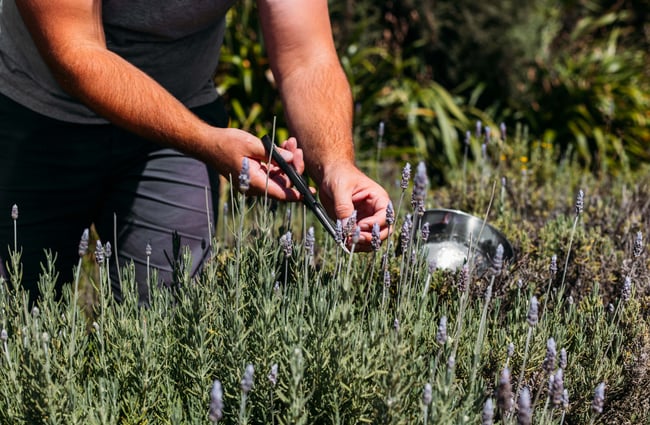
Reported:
(176, 42)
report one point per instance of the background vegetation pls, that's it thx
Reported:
(575, 73)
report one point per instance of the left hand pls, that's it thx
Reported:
(346, 189)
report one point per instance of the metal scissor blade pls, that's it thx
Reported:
(301, 185)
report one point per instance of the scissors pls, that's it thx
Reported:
(301, 185)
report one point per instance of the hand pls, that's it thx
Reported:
(240, 145)
(346, 189)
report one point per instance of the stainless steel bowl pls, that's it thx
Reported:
(456, 237)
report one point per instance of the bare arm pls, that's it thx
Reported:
(318, 104)
(314, 89)
(70, 37)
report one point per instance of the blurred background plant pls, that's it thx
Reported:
(429, 70)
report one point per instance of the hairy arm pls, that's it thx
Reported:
(318, 104)
(314, 89)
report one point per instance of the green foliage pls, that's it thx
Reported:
(351, 345)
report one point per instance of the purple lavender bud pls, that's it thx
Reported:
(375, 240)
(479, 127)
(273, 375)
(286, 244)
(356, 235)
(310, 241)
(533, 312)
(396, 324)
(497, 261)
(487, 417)
(638, 245)
(502, 127)
(525, 411)
(247, 379)
(468, 137)
(420, 182)
(4, 335)
(451, 362)
(99, 252)
(626, 292)
(216, 402)
(599, 398)
(386, 279)
(147, 250)
(488, 134)
(350, 224)
(405, 237)
(557, 388)
(14, 212)
(553, 267)
(463, 278)
(511, 350)
(390, 214)
(244, 176)
(427, 395)
(381, 129)
(580, 202)
(338, 234)
(551, 355)
(424, 232)
(441, 335)
(107, 250)
(565, 399)
(504, 391)
(83, 243)
(431, 265)
(406, 176)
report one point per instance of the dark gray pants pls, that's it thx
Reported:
(65, 176)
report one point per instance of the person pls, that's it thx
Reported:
(109, 115)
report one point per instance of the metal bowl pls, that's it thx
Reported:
(456, 237)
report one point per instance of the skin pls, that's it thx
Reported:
(315, 93)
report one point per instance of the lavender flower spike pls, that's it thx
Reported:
(551, 355)
(406, 176)
(580, 202)
(14, 212)
(421, 182)
(286, 244)
(273, 375)
(599, 398)
(247, 380)
(525, 413)
(557, 388)
(375, 241)
(216, 402)
(427, 396)
(441, 336)
(83, 243)
(99, 252)
(504, 391)
(390, 214)
(533, 312)
(638, 245)
(487, 417)
(310, 241)
(626, 292)
(244, 176)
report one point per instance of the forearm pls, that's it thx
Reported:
(318, 105)
(129, 98)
